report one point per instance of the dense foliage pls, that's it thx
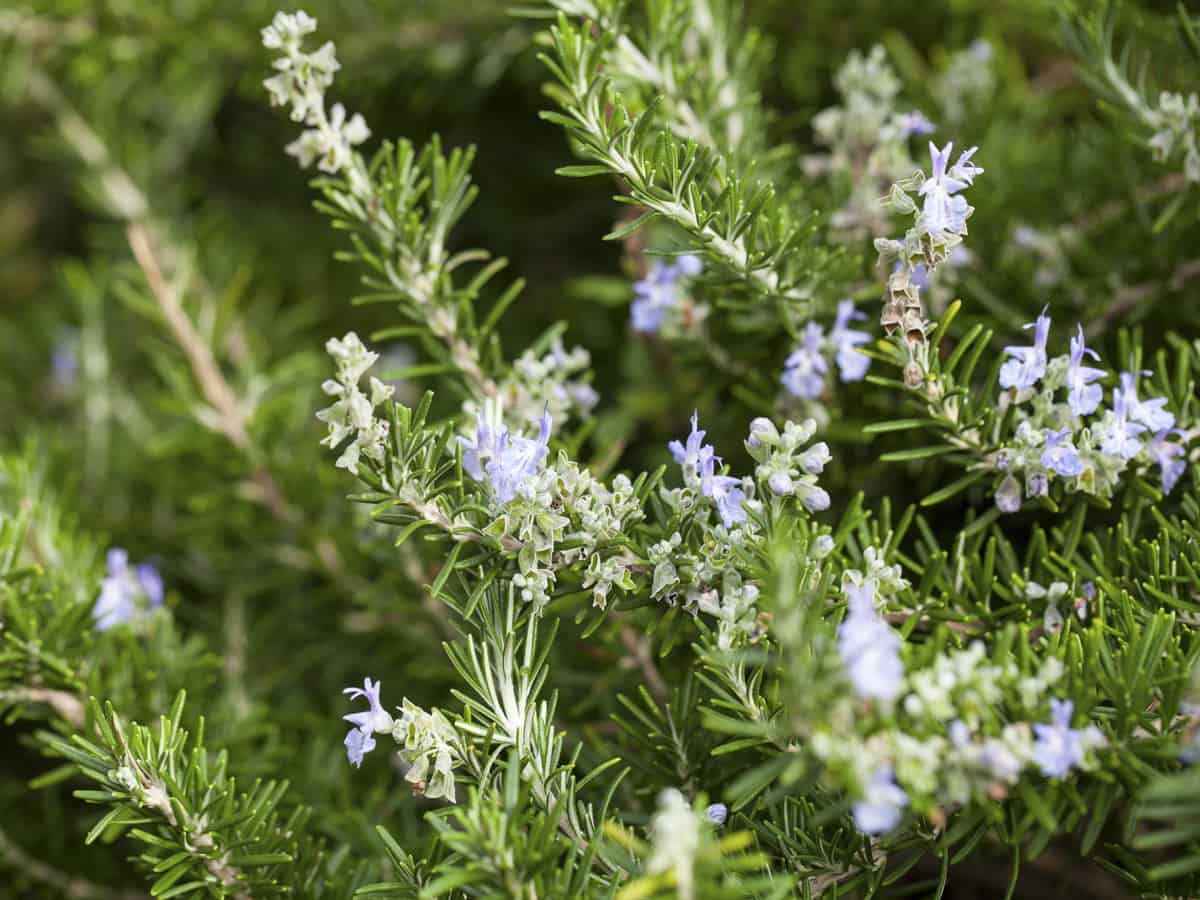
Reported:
(718, 449)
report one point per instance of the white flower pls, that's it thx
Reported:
(675, 834)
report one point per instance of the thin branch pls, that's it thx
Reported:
(65, 704)
(638, 647)
(70, 886)
(231, 419)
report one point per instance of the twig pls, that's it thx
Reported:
(638, 648)
(963, 628)
(67, 705)
(68, 885)
(231, 420)
(1130, 296)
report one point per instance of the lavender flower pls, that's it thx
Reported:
(914, 122)
(1008, 495)
(1083, 396)
(804, 371)
(1169, 457)
(717, 813)
(1059, 747)
(1027, 364)
(1060, 454)
(1151, 413)
(869, 648)
(851, 364)
(944, 213)
(1037, 485)
(692, 455)
(879, 810)
(360, 740)
(507, 463)
(725, 491)
(699, 462)
(127, 593)
(658, 293)
(1119, 436)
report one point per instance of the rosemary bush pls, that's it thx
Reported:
(764, 468)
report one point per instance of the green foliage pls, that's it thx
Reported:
(573, 673)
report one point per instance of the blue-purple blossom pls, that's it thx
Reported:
(1008, 495)
(128, 592)
(1060, 454)
(692, 455)
(507, 463)
(879, 809)
(717, 813)
(1027, 364)
(1151, 413)
(914, 122)
(726, 491)
(1083, 396)
(959, 734)
(360, 740)
(1119, 436)
(1037, 484)
(1169, 457)
(804, 371)
(943, 212)
(1058, 747)
(781, 484)
(699, 460)
(869, 648)
(658, 292)
(851, 364)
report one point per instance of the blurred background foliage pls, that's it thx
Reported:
(156, 106)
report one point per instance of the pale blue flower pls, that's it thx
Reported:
(1027, 364)
(1037, 485)
(1000, 761)
(1151, 413)
(658, 292)
(1060, 454)
(869, 648)
(692, 455)
(781, 484)
(851, 364)
(1058, 747)
(507, 463)
(360, 740)
(358, 744)
(1008, 495)
(1083, 396)
(762, 430)
(804, 371)
(914, 122)
(918, 275)
(880, 809)
(717, 813)
(1169, 457)
(127, 593)
(725, 490)
(1119, 436)
(959, 733)
(943, 212)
